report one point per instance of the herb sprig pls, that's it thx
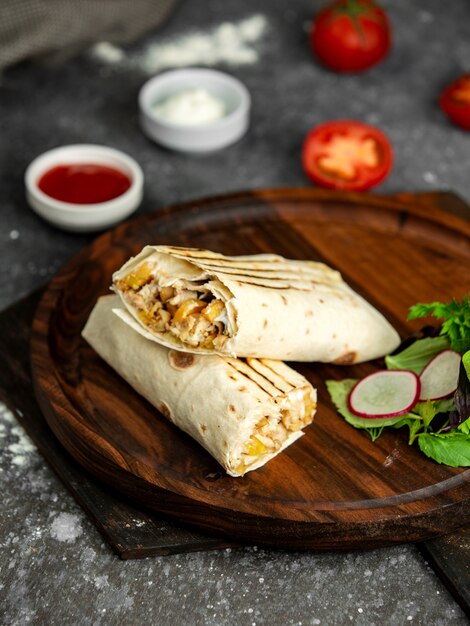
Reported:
(456, 316)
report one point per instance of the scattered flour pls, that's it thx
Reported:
(66, 527)
(139, 523)
(6, 415)
(429, 177)
(426, 17)
(230, 43)
(20, 450)
(101, 582)
(108, 52)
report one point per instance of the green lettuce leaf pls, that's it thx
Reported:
(339, 391)
(461, 398)
(466, 363)
(465, 426)
(451, 448)
(415, 425)
(429, 409)
(416, 356)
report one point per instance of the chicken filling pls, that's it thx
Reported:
(190, 311)
(271, 431)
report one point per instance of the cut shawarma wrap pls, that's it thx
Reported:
(243, 412)
(261, 306)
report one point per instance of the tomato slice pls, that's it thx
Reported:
(455, 101)
(346, 154)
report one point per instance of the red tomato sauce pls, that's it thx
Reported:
(84, 183)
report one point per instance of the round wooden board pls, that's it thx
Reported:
(334, 488)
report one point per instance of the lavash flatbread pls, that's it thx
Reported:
(273, 307)
(243, 412)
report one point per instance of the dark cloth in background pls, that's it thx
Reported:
(39, 28)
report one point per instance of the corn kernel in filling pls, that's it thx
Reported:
(271, 431)
(192, 314)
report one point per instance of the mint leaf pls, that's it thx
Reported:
(339, 391)
(450, 449)
(416, 356)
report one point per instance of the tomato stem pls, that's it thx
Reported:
(354, 9)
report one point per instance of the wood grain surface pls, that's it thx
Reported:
(333, 488)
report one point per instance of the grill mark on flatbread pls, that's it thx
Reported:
(314, 277)
(249, 263)
(287, 373)
(255, 264)
(249, 372)
(278, 283)
(282, 285)
(269, 374)
(275, 281)
(181, 360)
(259, 270)
(262, 395)
(258, 263)
(192, 253)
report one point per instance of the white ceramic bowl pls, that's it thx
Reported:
(204, 138)
(84, 217)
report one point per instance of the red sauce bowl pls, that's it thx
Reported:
(84, 187)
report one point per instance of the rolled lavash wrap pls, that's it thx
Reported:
(261, 305)
(243, 412)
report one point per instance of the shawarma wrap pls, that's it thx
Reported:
(262, 306)
(244, 412)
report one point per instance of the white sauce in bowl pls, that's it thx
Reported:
(191, 107)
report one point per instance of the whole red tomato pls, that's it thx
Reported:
(455, 101)
(351, 35)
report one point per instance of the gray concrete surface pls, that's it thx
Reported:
(54, 567)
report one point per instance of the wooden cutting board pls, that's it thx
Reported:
(333, 489)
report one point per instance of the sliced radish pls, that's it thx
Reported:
(388, 393)
(440, 377)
